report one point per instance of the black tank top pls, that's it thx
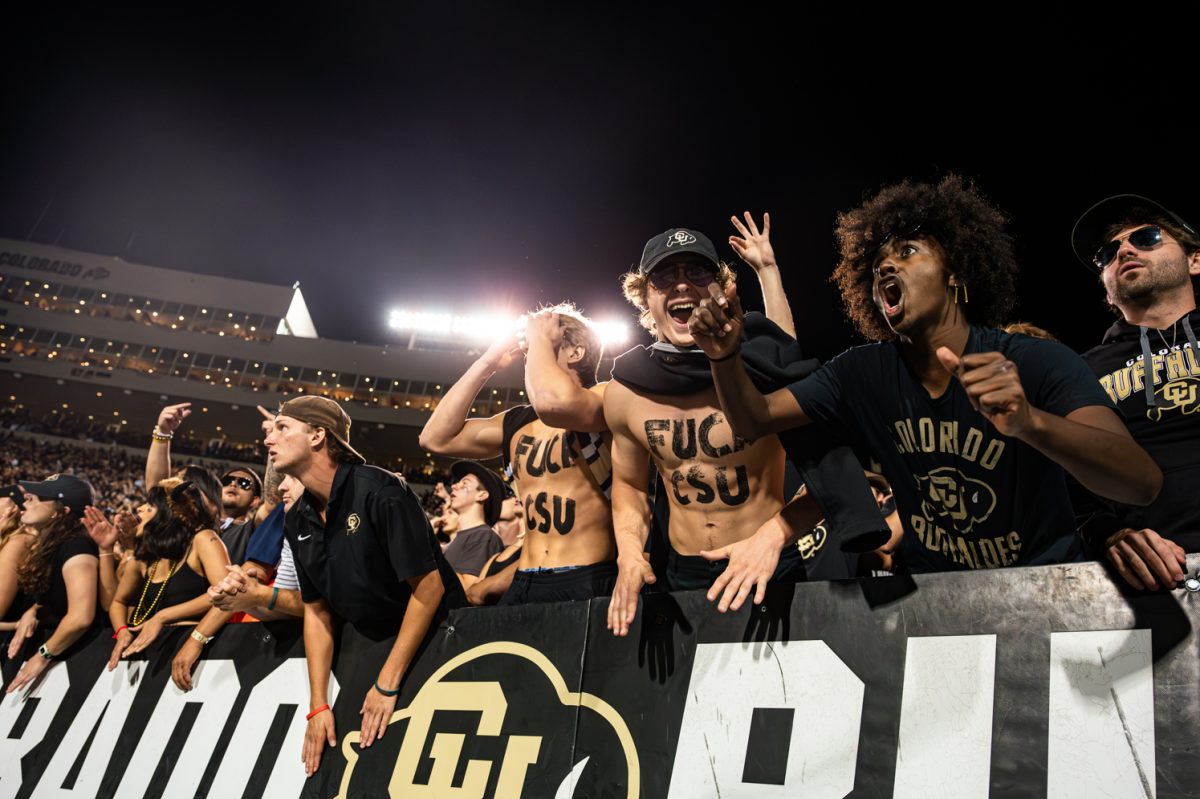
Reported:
(183, 586)
(499, 565)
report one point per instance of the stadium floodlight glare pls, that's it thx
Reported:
(483, 327)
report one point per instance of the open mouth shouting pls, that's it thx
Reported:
(889, 296)
(680, 311)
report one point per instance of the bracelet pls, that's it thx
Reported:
(385, 692)
(117, 631)
(315, 711)
(159, 435)
(733, 354)
(200, 637)
(274, 596)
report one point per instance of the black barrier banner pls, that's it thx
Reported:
(1042, 681)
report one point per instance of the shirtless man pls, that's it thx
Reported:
(556, 450)
(661, 407)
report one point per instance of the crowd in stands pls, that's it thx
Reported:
(704, 463)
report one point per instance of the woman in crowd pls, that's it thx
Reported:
(59, 572)
(15, 540)
(177, 556)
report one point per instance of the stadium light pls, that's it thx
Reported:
(483, 327)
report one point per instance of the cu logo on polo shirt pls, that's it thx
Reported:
(352, 523)
(519, 702)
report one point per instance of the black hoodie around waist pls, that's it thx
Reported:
(1163, 415)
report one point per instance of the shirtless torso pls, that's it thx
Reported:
(562, 479)
(721, 488)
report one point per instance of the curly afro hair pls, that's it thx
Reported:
(968, 228)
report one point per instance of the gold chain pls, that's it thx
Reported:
(134, 621)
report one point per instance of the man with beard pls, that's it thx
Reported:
(974, 427)
(1147, 259)
(556, 450)
(720, 488)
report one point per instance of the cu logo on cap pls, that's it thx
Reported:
(680, 237)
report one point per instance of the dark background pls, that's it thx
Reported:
(470, 155)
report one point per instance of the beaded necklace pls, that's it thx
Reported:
(134, 621)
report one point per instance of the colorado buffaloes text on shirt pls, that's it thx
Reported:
(968, 496)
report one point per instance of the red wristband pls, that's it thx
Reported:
(117, 631)
(315, 711)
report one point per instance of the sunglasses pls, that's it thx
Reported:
(244, 483)
(699, 275)
(1146, 238)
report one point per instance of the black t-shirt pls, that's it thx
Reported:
(471, 548)
(1168, 428)
(54, 599)
(236, 537)
(968, 496)
(375, 537)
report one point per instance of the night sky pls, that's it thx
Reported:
(470, 156)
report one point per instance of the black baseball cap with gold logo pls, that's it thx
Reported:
(73, 492)
(675, 241)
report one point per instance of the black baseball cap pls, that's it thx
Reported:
(73, 492)
(674, 241)
(1088, 234)
(489, 480)
(14, 493)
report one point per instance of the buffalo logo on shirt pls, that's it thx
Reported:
(498, 720)
(1178, 395)
(947, 492)
(352, 523)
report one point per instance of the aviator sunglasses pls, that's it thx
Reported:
(1146, 238)
(244, 483)
(699, 275)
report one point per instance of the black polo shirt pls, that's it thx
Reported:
(374, 539)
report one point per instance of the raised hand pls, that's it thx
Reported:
(545, 325)
(752, 246)
(716, 324)
(502, 352)
(268, 422)
(101, 530)
(172, 416)
(993, 387)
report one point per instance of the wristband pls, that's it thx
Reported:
(274, 596)
(159, 435)
(315, 711)
(117, 631)
(733, 354)
(45, 652)
(199, 637)
(386, 692)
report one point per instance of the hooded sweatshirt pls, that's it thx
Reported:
(1163, 415)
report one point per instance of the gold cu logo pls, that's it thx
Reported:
(352, 523)
(52, 478)
(810, 543)
(1181, 394)
(486, 698)
(947, 492)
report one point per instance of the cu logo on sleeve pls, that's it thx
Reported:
(466, 737)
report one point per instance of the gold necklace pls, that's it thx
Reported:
(134, 620)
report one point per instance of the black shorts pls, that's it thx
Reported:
(585, 582)
(693, 573)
